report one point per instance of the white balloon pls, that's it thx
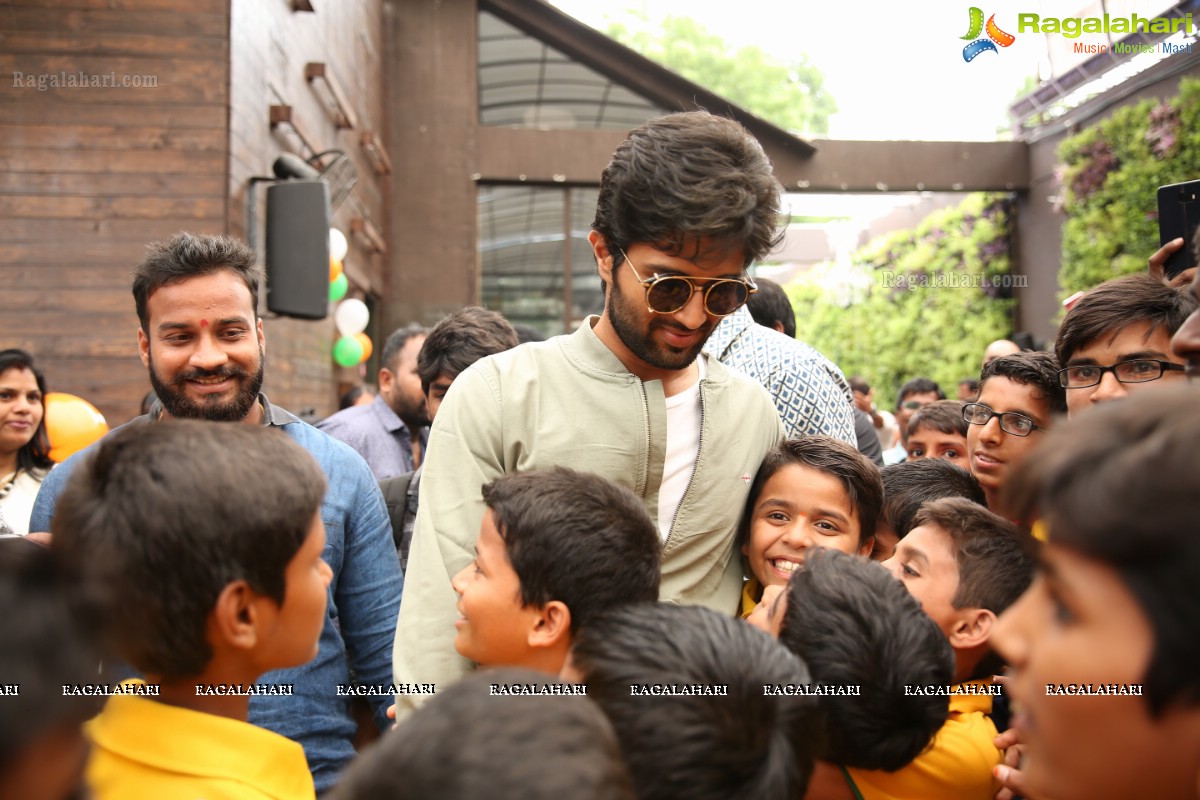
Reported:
(338, 246)
(351, 317)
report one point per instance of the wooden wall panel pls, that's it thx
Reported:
(90, 174)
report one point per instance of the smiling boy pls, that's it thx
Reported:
(965, 565)
(810, 492)
(1019, 395)
(556, 548)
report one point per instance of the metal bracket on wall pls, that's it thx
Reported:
(316, 72)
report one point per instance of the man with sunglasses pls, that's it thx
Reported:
(687, 203)
(1019, 396)
(1117, 340)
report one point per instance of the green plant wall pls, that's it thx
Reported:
(1110, 174)
(918, 303)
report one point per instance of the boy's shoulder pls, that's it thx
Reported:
(957, 766)
(144, 748)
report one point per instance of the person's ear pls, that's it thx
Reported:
(604, 257)
(552, 626)
(777, 325)
(972, 629)
(262, 338)
(866, 545)
(235, 616)
(144, 347)
(385, 381)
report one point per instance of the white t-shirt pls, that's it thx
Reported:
(683, 446)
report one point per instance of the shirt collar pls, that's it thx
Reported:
(387, 416)
(201, 746)
(727, 332)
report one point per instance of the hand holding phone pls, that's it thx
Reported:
(1178, 217)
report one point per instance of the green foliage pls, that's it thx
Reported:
(791, 95)
(1110, 176)
(918, 303)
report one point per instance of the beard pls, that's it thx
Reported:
(627, 323)
(215, 409)
(412, 413)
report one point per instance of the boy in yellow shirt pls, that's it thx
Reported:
(200, 545)
(965, 565)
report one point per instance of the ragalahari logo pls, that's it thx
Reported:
(995, 36)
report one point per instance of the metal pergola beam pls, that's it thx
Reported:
(513, 155)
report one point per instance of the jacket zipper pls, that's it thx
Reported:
(649, 444)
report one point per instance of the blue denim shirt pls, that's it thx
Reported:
(364, 601)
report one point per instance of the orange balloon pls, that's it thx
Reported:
(335, 269)
(365, 341)
(72, 424)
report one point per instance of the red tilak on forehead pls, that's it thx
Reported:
(203, 323)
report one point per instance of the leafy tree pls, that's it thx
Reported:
(790, 95)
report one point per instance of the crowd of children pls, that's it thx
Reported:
(1009, 611)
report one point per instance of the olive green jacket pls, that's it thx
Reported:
(569, 401)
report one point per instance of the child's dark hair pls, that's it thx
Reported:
(945, 416)
(918, 386)
(770, 304)
(995, 559)
(908, 486)
(162, 516)
(741, 745)
(1034, 369)
(1118, 304)
(856, 625)
(461, 339)
(44, 644)
(577, 538)
(1115, 485)
(468, 743)
(858, 475)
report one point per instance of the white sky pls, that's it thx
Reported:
(896, 70)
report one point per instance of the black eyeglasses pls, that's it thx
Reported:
(1010, 421)
(1140, 370)
(666, 294)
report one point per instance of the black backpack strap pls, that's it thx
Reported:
(395, 494)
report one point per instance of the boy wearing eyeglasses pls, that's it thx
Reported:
(687, 203)
(1117, 340)
(1019, 395)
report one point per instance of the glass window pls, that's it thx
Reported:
(523, 83)
(536, 264)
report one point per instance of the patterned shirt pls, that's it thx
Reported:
(809, 391)
(376, 434)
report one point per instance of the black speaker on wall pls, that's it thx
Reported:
(298, 249)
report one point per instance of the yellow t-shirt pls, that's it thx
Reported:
(142, 748)
(752, 592)
(957, 767)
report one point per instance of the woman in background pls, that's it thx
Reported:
(24, 446)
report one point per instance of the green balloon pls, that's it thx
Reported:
(347, 351)
(338, 287)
